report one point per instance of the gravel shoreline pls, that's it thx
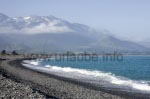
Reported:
(52, 87)
(13, 90)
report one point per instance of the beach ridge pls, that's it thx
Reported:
(54, 87)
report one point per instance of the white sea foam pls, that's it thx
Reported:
(32, 62)
(92, 75)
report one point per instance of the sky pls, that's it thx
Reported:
(127, 19)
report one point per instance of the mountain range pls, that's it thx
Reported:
(50, 34)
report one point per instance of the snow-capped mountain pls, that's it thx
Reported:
(48, 33)
(38, 24)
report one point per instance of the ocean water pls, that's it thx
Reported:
(130, 74)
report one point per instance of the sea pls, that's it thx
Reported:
(131, 74)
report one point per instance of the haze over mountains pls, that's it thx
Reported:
(50, 34)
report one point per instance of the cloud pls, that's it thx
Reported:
(42, 28)
(46, 28)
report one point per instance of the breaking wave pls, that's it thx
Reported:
(91, 76)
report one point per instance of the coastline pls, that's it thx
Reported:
(59, 87)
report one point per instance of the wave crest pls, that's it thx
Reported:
(92, 76)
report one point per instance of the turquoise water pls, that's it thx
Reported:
(130, 74)
(133, 67)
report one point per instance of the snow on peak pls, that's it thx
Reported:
(39, 24)
(26, 18)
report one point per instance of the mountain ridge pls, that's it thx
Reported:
(48, 33)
